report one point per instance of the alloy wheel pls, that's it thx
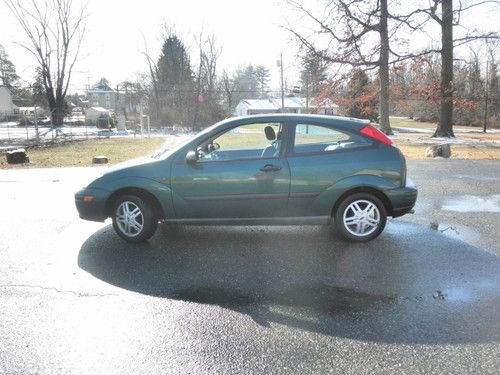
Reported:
(129, 218)
(361, 218)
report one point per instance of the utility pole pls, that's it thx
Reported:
(117, 98)
(485, 120)
(282, 85)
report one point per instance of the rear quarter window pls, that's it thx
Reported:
(317, 139)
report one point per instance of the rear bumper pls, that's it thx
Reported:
(94, 210)
(403, 199)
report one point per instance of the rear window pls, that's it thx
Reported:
(316, 138)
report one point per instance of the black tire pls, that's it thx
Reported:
(129, 229)
(345, 210)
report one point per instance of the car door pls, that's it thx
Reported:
(240, 173)
(319, 156)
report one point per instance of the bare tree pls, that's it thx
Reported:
(492, 84)
(206, 80)
(445, 126)
(228, 87)
(153, 76)
(54, 31)
(447, 17)
(350, 26)
(450, 18)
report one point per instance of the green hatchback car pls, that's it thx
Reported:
(280, 169)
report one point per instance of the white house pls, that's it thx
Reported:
(319, 107)
(292, 105)
(102, 95)
(8, 110)
(256, 106)
(30, 111)
(92, 114)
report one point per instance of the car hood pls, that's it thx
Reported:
(144, 167)
(131, 163)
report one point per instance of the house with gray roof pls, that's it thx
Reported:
(292, 105)
(102, 95)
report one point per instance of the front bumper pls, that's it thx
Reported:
(403, 199)
(94, 210)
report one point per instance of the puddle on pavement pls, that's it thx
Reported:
(468, 293)
(330, 300)
(324, 299)
(472, 203)
(479, 178)
(456, 231)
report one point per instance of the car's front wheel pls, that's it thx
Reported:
(134, 219)
(360, 217)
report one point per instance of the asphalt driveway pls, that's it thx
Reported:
(423, 297)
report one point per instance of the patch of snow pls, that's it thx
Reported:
(7, 124)
(472, 203)
(455, 141)
(412, 130)
(475, 131)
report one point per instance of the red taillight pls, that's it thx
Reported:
(374, 133)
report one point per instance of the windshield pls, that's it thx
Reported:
(166, 150)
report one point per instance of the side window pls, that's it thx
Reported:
(248, 141)
(316, 138)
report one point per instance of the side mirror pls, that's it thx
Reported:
(191, 157)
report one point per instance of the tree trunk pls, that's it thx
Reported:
(445, 126)
(58, 113)
(57, 116)
(385, 125)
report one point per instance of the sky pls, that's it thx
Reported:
(249, 31)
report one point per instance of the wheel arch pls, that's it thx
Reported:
(364, 189)
(140, 192)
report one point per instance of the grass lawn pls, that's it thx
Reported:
(416, 148)
(80, 153)
(416, 151)
(408, 123)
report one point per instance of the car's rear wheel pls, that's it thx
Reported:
(360, 217)
(134, 219)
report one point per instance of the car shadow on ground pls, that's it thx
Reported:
(411, 285)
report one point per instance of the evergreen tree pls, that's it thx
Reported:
(248, 85)
(175, 82)
(312, 74)
(174, 66)
(8, 75)
(494, 90)
(262, 77)
(38, 90)
(361, 96)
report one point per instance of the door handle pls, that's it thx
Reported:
(270, 168)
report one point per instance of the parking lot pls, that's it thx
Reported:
(423, 297)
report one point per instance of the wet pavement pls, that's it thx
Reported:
(422, 298)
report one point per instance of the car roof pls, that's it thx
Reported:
(295, 117)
